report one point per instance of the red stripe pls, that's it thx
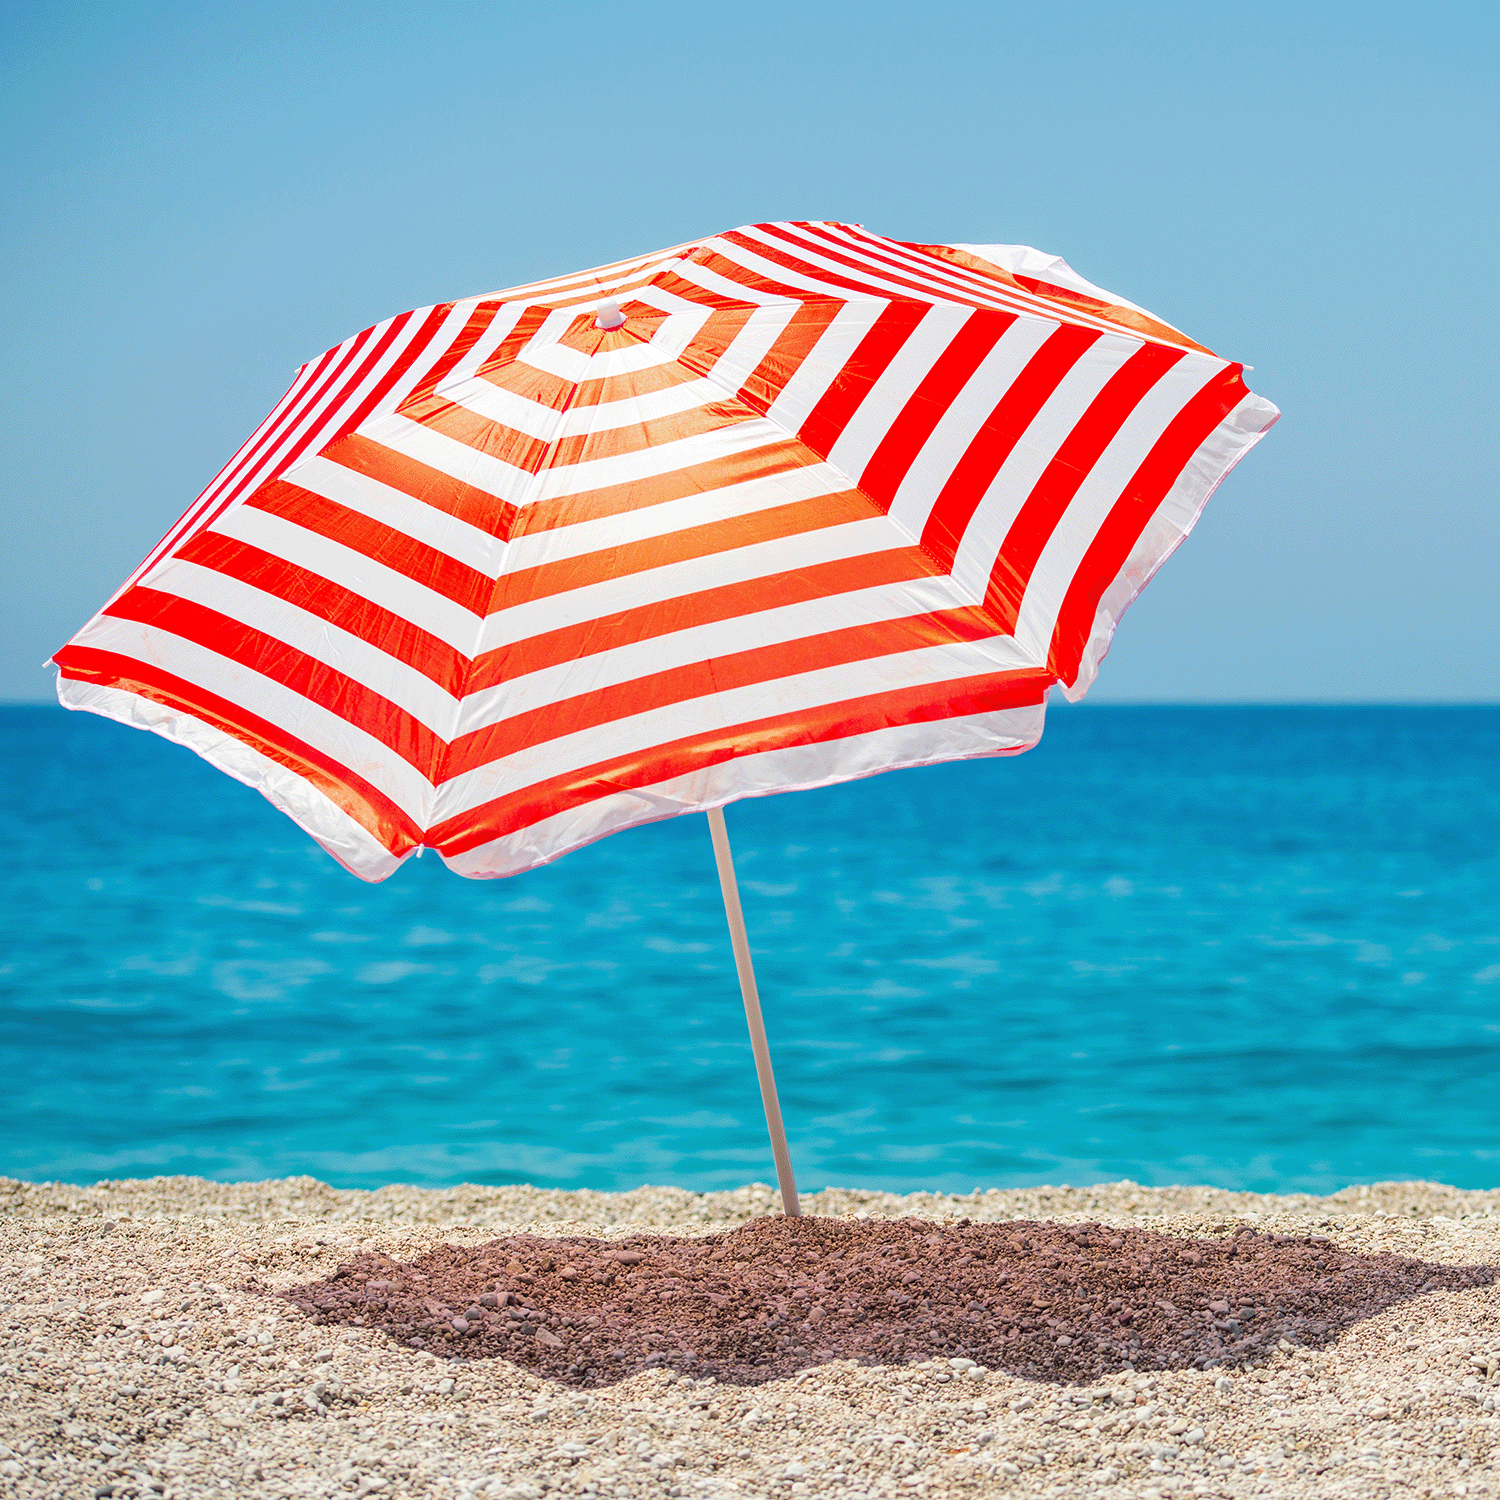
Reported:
(678, 285)
(330, 601)
(384, 544)
(773, 524)
(822, 426)
(1049, 300)
(715, 260)
(973, 474)
(705, 607)
(285, 414)
(826, 280)
(656, 763)
(925, 289)
(719, 674)
(366, 804)
(474, 507)
(546, 389)
(676, 484)
(1054, 490)
(530, 455)
(940, 387)
(1129, 516)
(765, 383)
(342, 695)
(945, 278)
(403, 362)
(475, 327)
(510, 347)
(315, 427)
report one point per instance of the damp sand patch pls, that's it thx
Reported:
(1043, 1301)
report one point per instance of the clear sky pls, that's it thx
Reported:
(195, 198)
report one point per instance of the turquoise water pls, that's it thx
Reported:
(1245, 946)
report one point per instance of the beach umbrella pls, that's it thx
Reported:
(780, 508)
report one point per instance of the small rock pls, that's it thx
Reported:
(628, 1257)
(149, 1297)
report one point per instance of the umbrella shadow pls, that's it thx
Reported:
(1055, 1302)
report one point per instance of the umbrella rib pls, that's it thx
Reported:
(741, 943)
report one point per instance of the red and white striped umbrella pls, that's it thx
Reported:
(779, 508)
(504, 575)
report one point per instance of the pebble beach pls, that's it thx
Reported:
(176, 1337)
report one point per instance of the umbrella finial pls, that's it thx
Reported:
(608, 314)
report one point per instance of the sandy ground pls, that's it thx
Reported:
(144, 1351)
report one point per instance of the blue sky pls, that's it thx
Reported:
(198, 197)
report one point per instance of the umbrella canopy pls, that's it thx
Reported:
(771, 510)
(781, 508)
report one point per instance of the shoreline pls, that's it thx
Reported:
(148, 1349)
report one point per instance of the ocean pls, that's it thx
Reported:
(1252, 947)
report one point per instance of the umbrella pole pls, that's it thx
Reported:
(730, 887)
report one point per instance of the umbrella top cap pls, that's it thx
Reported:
(608, 315)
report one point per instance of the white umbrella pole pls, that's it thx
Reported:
(741, 942)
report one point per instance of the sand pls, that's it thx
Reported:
(176, 1337)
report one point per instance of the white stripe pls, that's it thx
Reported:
(961, 420)
(1026, 462)
(964, 737)
(525, 693)
(500, 326)
(395, 508)
(1173, 519)
(329, 733)
(434, 612)
(778, 698)
(1096, 496)
(691, 576)
(546, 424)
(969, 284)
(884, 278)
(877, 281)
(199, 506)
(751, 345)
(759, 267)
(665, 346)
(333, 407)
(918, 263)
(721, 285)
(661, 458)
(347, 841)
(313, 636)
(824, 363)
(532, 549)
(654, 295)
(471, 466)
(887, 398)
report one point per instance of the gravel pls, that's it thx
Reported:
(154, 1341)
